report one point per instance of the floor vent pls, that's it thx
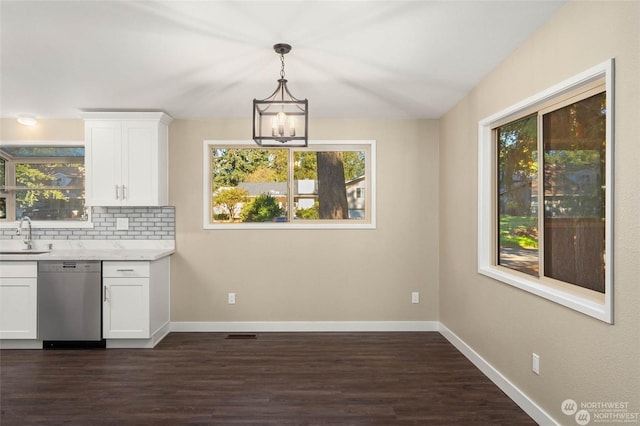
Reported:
(241, 336)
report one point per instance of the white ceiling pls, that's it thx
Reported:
(209, 59)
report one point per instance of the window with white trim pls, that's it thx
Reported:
(545, 194)
(329, 184)
(45, 183)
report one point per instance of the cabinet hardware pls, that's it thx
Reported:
(117, 192)
(124, 192)
(125, 270)
(104, 291)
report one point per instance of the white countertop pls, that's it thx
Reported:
(89, 250)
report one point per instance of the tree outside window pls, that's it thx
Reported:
(570, 203)
(287, 185)
(44, 183)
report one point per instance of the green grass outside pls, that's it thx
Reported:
(519, 232)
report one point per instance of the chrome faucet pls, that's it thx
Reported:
(25, 238)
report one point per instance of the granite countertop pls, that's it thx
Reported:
(87, 250)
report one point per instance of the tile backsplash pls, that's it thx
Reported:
(145, 223)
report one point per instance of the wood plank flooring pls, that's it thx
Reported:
(274, 379)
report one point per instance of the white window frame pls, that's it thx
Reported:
(49, 224)
(589, 302)
(302, 224)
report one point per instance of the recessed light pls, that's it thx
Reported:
(27, 120)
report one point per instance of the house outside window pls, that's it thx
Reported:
(311, 187)
(45, 183)
(545, 194)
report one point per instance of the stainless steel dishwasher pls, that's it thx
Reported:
(70, 304)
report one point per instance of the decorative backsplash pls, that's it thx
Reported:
(145, 223)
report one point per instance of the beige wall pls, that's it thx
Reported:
(311, 275)
(301, 275)
(581, 358)
(44, 130)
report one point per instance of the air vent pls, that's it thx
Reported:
(241, 336)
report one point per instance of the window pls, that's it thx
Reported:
(326, 185)
(545, 194)
(45, 183)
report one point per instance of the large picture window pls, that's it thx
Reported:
(545, 193)
(326, 185)
(45, 183)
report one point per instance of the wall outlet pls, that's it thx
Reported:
(232, 298)
(415, 297)
(122, 224)
(535, 363)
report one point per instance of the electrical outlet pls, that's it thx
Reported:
(232, 298)
(415, 297)
(122, 224)
(535, 363)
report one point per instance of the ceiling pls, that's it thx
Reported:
(210, 59)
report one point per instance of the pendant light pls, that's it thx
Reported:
(281, 119)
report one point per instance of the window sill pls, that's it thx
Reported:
(588, 302)
(270, 225)
(43, 224)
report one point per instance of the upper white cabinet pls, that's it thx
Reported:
(126, 158)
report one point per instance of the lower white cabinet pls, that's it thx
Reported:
(125, 300)
(18, 300)
(135, 298)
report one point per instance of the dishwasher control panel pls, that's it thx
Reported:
(69, 266)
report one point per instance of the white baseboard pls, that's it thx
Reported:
(303, 326)
(156, 337)
(161, 333)
(520, 398)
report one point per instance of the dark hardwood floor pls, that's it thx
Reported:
(274, 379)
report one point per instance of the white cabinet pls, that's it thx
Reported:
(135, 299)
(18, 300)
(126, 158)
(125, 300)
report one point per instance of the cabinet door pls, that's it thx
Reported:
(18, 308)
(126, 308)
(103, 153)
(140, 163)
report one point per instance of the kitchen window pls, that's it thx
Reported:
(330, 184)
(546, 194)
(45, 183)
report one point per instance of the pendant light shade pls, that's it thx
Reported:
(281, 119)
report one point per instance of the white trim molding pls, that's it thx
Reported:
(347, 145)
(302, 326)
(594, 304)
(150, 343)
(512, 391)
